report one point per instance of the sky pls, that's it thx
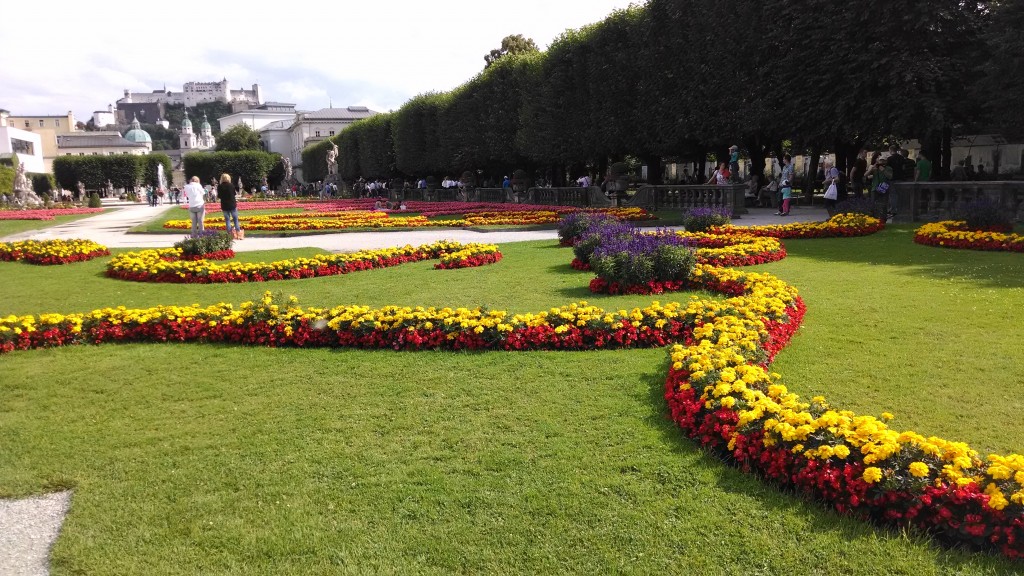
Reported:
(376, 53)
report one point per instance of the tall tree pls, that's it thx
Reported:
(512, 44)
(238, 138)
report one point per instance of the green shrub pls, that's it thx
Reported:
(207, 242)
(94, 201)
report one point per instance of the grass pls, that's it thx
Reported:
(9, 227)
(231, 460)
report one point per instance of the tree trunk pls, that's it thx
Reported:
(947, 153)
(842, 149)
(653, 163)
(702, 159)
(812, 173)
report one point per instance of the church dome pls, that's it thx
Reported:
(205, 128)
(186, 124)
(137, 134)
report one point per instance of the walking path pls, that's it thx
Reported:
(29, 527)
(111, 227)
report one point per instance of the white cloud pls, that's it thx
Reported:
(377, 54)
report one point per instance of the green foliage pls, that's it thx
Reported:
(511, 44)
(238, 138)
(252, 166)
(208, 242)
(7, 175)
(122, 170)
(94, 200)
(163, 138)
(42, 183)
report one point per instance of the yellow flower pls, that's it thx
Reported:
(872, 475)
(918, 469)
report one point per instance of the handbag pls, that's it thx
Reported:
(832, 193)
(883, 188)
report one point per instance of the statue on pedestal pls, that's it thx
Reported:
(332, 159)
(24, 195)
(287, 168)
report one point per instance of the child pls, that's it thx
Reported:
(787, 194)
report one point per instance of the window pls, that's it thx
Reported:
(332, 132)
(81, 153)
(41, 122)
(56, 122)
(317, 133)
(22, 147)
(28, 124)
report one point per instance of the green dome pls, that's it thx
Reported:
(137, 134)
(186, 124)
(205, 128)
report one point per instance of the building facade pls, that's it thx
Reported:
(26, 144)
(192, 93)
(312, 127)
(189, 140)
(100, 144)
(49, 128)
(260, 116)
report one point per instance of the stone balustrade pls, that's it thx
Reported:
(685, 197)
(932, 201)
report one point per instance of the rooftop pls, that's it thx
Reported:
(349, 113)
(90, 140)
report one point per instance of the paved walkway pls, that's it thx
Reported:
(111, 227)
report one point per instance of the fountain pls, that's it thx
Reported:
(161, 180)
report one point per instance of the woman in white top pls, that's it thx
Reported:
(195, 196)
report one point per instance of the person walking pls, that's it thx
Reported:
(721, 176)
(786, 185)
(881, 184)
(195, 197)
(229, 205)
(860, 166)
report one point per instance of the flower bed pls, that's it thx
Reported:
(840, 225)
(47, 214)
(340, 219)
(166, 265)
(251, 205)
(470, 256)
(49, 252)
(718, 390)
(955, 234)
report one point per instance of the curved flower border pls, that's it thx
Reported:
(718, 390)
(838, 226)
(955, 234)
(51, 252)
(167, 265)
(723, 250)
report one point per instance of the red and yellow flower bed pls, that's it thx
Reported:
(470, 256)
(838, 226)
(341, 220)
(718, 389)
(167, 265)
(49, 252)
(45, 214)
(955, 234)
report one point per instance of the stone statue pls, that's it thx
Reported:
(81, 189)
(24, 195)
(110, 188)
(287, 168)
(332, 159)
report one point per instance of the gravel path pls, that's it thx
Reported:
(28, 528)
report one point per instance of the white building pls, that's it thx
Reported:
(193, 93)
(189, 140)
(312, 127)
(103, 118)
(101, 144)
(260, 116)
(27, 145)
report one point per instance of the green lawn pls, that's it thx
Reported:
(233, 460)
(8, 227)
